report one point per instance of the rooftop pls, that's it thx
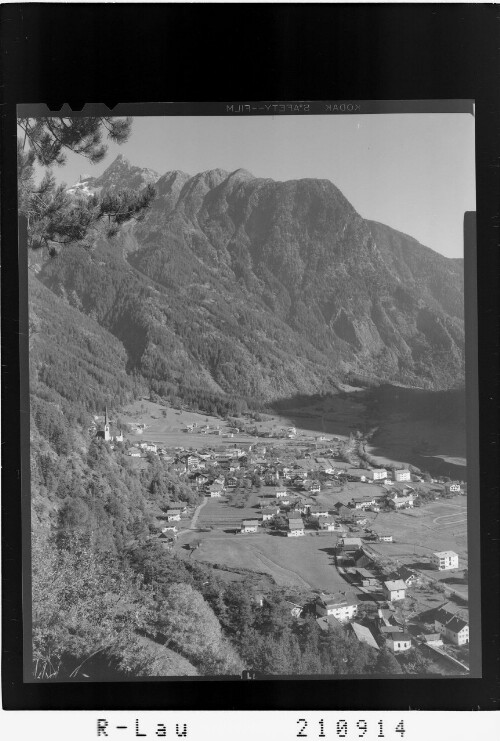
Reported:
(338, 599)
(444, 554)
(364, 634)
(393, 585)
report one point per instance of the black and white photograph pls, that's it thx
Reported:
(247, 392)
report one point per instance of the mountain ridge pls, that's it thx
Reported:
(253, 287)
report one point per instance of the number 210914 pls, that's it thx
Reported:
(352, 729)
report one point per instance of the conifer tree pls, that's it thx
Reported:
(55, 218)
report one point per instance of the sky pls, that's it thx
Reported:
(413, 172)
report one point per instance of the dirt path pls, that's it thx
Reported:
(196, 513)
(194, 519)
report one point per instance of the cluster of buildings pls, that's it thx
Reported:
(389, 628)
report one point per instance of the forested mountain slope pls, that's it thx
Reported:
(246, 287)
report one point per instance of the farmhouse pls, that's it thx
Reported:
(295, 528)
(452, 627)
(342, 605)
(249, 526)
(178, 505)
(269, 512)
(361, 560)
(280, 493)
(350, 544)
(394, 590)
(315, 487)
(215, 490)
(362, 502)
(365, 578)
(231, 482)
(443, 560)
(398, 641)
(134, 452)
(318, 511)
(385, 537)
(403, 501)
(173, 515)
(451, 488)
(343, 512)
(402, 474)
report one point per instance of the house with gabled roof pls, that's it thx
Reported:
(249, 526)
(342, 605)
(365, 577)
(394, 590)
(295, 528)
(401, 501)
(350, 544)
(269, 512)
(362, 502)
(398, 641)
(452, 626)
(215, 490)
(361, 560)
(181, 506)
(173, 515)
(318, 511)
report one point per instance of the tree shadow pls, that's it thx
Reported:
(420, 565)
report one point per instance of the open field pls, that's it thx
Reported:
(217, 513)
(346, 492)
(165, 425)
(436, 526)
(305, 562)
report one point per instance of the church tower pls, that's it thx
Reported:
(107, 434)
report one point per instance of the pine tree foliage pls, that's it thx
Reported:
(56, 218)
(49, 138)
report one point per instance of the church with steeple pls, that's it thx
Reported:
(105, 433)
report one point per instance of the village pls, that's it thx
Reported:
(379, 550)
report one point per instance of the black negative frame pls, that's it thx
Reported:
(285, 53)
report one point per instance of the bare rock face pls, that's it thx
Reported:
(260, 288)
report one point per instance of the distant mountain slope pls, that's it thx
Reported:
(247, 286)
(74, 363)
